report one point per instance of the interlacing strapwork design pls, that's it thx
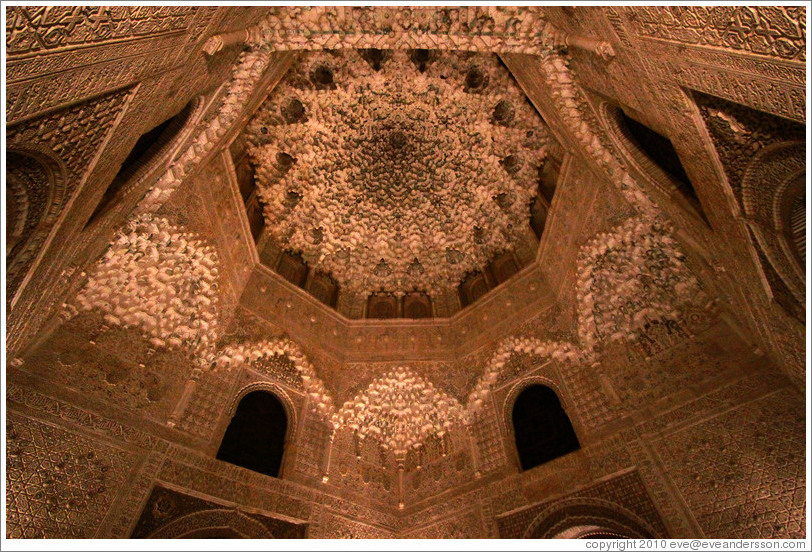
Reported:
(744, 479)
(31, 29)
(58, 484)
(767, 30)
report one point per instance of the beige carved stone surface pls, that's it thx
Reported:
(405, 150)
(748, 484)
(453, 145)
(625, 492)
(59, 484)
(335, 526)
(30, 29)
(170, 514)
(766, 30)
(114, 365)
(72, 137)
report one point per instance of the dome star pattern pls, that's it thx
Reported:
(397, 171)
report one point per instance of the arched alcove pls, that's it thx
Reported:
(416, 305)
(542, 429)
(589, 518)
(774, 200)
(28, 191)
(255, 437)
(213, 524)
(152, 148)
(36, 191)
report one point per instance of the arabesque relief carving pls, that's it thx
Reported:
(398, 222)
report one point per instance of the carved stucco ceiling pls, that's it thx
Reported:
(397, 171)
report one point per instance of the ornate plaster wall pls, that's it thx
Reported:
(665, 333)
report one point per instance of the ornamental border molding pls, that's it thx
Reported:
(621, 516)
(232, 355)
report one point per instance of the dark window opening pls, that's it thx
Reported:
(472, 288)
(148, 147)
(547, 175)
(503, 267)
(661, 152)
(538, 216)
(548, 179)
(244, 171)
(543, 430)
(256, 219)
(416, 305)
(382, 306)
(324, 288)
(293, 268)
(255, 438)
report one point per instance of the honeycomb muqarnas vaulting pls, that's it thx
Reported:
(345, 242)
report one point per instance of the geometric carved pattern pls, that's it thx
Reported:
(56, 475)
(206, 406)
(517, 364)
(476, 28)
(279, 367)
(334, 526)
(60, 54)
(764, 159)
(74, 134)
(771, 31)
(34, 191)
(624, 494)
(465, 525)
(744, 479)
(740, 133)
(779, 289)
(32, 29)
(488, 438)
(312, 445)
(59, 484)
(392, 155)
(170, 514)
(435, 477)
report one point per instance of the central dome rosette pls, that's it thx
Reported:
(394, 171)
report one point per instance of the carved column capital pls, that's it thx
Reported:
(600, 47)
(250, 36)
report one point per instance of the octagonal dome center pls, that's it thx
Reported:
(405, 177)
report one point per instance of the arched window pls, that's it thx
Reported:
(416, 305)
(543, 430)
(255, 438)
(382, 306)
